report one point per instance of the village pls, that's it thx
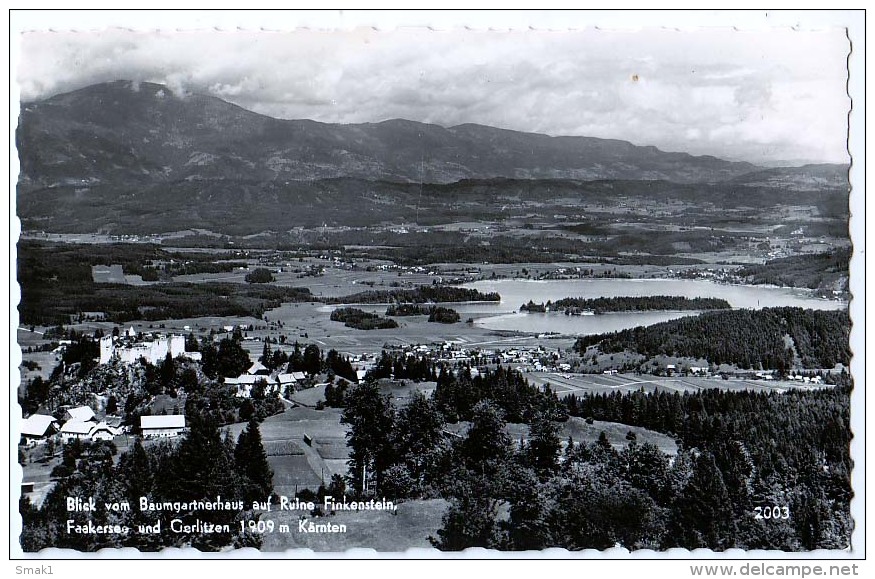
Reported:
(561, 370)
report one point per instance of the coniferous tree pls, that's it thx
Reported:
(251, 462)
(135, 471)
(210, 359)
(470, 521)
(419, 438)
(371, 417)
(527, 527)
(311, 362)
(702, 514)
(646, 468)
(232, 358)
(542, 451)
(167, 371)
(136, 474)
(296, 360)
(266, 357)
(487, 441)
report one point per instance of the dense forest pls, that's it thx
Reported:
(773, 338)
(405, 310)
(740, 455)
(457, 393)
(818, 271)
(259, 275)
(58, 301)
(435, 313)
(400, 366)
(420, 295)
(362, 320)
(818, 420)
(74, 260)
(408, 249)
(626, 304)
(56, 286)
(443, 315)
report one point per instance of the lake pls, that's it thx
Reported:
(505, 315)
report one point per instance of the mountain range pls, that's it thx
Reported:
(124, 146)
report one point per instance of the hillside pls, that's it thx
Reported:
(121, 131)
(239, 207)
(805, 178)
(769, 338)
(121, 157)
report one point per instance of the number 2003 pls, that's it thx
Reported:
(775, 512)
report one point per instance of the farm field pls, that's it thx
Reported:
(295, 463)
(333, 282)
(564, 384)
(312, 320)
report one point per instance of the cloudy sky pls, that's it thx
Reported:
(758, 96)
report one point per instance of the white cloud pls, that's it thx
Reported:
(760, 96)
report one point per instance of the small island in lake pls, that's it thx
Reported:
(583, 306)
(362, 320)
(435, 313)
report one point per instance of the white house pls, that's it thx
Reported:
(285, 379)
(80, 413)
(102, 431)
(36, 428)
(76, 429)
(244, 384)
(129, 351)
(162, 426)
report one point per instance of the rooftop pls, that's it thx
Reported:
(171, 421)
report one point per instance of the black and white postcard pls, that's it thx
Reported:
(580, 288)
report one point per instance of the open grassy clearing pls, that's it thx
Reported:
(309, 396)
(295, 463)
(312, 320)
(409, 526)
(295, 422)
(401, 391)
(333, 282)
(616, 432)
(578, 429)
